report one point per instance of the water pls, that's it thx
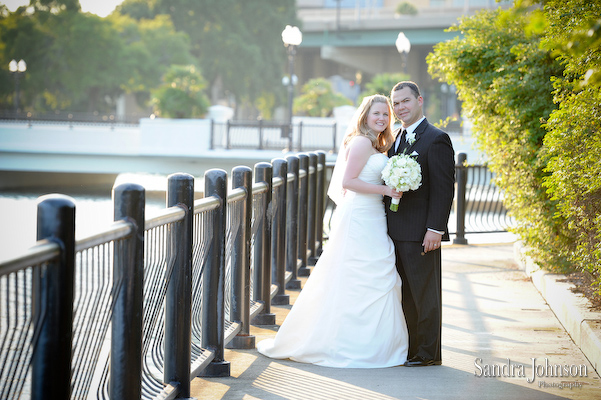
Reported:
(93, 212)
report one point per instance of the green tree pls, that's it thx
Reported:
(318, 99)
(237, 43)
(382, 84)
(137, 9)
(503, 77)
(82, 51)
(573, 142)
(93, 60)
(182, 94)
(152, 46)
(405, 8)
(84, 75)
(20, 38)
(56, 5)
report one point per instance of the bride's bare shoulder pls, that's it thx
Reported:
(362, 144)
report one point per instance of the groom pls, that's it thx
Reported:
(420, 224)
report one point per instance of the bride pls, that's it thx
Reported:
(349, 313)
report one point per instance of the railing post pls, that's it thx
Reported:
(335, 138)
(262, 261)
(278, 234)
(212, 137)
(128, 271)
(261, 147)
(53, 301)
(303, 198)
(227, 135)
(461, 170)
(240, 259)
(312, 209)
(292, 223)
(213, 296)
(321, 201)
(300, 136)
(178, 302)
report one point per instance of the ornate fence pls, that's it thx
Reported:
(140, 309)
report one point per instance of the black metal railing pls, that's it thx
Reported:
(478, 203)
(141, 308)
(266, 135)
(71, 117)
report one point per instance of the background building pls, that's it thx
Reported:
(350, 41)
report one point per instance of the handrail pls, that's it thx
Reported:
(43, 251)
(118, 230)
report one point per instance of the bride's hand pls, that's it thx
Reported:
(393, 193)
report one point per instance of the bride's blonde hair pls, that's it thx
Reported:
(381, 141)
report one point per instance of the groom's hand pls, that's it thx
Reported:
(432, 241)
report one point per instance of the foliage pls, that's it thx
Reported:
(56, 5)
(382, 84)
(152, 46)
(137, 9)
(503, 78)
(573, 141)
(93, 60)
(406, 9)
(240, 57)
(182, 94)
(318, 99)
(266, 104)
(59, 41)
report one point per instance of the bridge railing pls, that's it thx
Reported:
(141, 308)
(268, 135)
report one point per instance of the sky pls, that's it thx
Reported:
(98, 7)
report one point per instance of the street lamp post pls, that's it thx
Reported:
(403, 46)
(17, 68)
(292, 37)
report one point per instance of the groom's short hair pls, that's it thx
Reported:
(411, 85)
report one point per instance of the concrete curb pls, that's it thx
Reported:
(572, 309)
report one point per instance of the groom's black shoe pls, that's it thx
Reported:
(418, 361)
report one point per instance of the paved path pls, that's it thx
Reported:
(493, 319)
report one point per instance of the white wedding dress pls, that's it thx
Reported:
(349, 313)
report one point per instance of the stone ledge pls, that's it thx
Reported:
(572, 309)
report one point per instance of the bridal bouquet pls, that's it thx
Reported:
(402, 173)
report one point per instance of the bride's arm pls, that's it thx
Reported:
(359, 151)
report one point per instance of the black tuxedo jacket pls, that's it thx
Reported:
(430, 205)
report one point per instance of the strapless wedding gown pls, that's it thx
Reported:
(349, 313)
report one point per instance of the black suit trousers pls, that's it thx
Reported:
(422, 297)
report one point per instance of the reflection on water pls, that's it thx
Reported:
(93, 208)
(93, 211)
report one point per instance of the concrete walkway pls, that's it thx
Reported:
(495, 322)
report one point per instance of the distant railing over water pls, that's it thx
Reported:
(266, 135)
(231, 134)
(140, 309)
(71, 117)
